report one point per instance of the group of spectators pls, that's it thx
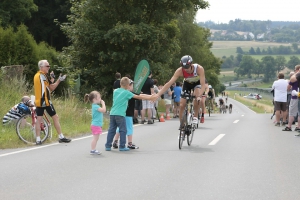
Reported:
(147, 108)
(286, 100)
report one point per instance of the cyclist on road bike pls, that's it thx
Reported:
(211, 96)
(193, 77)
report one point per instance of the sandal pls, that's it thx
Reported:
(297, 129)
(287, 129)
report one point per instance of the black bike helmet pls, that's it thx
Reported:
(186, 61)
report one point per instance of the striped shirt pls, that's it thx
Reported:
(41, 90)
(12, 114)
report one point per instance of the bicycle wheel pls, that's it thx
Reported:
(182, 129)
(190, 132)
(26, 132)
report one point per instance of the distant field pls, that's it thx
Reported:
(228, 48)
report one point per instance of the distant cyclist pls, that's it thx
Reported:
(221, 103)
(194, 76)
(211, 96)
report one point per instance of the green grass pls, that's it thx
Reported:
(258, 106)
(75, 119)
(228, 48)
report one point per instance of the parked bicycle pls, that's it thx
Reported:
(25, 126)
(187, 128)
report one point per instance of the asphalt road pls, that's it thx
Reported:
(233, 156)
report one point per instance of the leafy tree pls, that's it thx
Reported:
(294, 60)
(21, 49)
(295, 47)
(239, 50)
(258, 52)
(270, 51)
(280, 63)
(258, 68)
(109, 36)
(15, 12)
(239, 58)
(252, 51)
(246, 66)
(43, 26)
(268, 67)
(227, 63)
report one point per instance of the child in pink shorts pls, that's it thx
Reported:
(97, 118)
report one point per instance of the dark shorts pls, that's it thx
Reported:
(50, 110)
(187, 87)
(280, 106)
(138, 105)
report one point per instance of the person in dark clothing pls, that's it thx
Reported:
(117, 82)
(148, 88)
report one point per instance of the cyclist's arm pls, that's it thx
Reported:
(176, 75)
(200, 72)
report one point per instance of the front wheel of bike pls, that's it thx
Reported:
(26, 132)
(190, 131)
(183, 124)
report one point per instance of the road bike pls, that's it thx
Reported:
(187, 128)
(209, 106)
(25, 127)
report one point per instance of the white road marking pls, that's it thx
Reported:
(236, 121)
(217, 139)
(49, 145)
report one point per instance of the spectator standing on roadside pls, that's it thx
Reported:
(177, 92)
(296, 78)
(168, 101)
(129, 122)
(117, 81)
(118, 113)
(293, 106)
(147, 105)
(172, 100)
(156, 90)
(280, 98)
(97, 118)
(42, 91)
(289, 94)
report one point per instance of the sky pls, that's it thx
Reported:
(222, 11)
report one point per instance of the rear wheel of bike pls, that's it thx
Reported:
(26, 132)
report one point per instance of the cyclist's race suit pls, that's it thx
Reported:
(42, 94)
(210, 96)
(190, 82)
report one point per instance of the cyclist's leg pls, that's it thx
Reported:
(181, 108)
(196, 104)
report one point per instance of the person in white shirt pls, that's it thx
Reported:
(280, 98)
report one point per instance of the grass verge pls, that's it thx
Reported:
(258, 106)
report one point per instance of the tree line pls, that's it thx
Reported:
(275, 31)
(280, 50)
(94, 39)
(246, 65)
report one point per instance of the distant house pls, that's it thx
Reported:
(260, 36)
(251, 35)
